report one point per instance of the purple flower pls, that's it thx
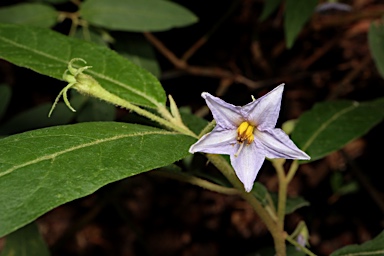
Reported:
(248, 134)
(328, 7)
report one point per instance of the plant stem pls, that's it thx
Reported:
(228, 172)
(197, 181)
(292, 170)
(283, 185)
(302, 248)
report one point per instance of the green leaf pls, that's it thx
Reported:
(96, 110)
(340, 187)
(193, 122)
(260, 192)
(42, 169)
(135, 48)
(48, 53)
(297, 13)
(33, 14)
(136, 15)
(5, 97)
(331, 125)
(370, 248)
(269, 7)
(56, 1)
(37, 117)
(26, 241)
(376, 45)
(292, 204)
(88, 34)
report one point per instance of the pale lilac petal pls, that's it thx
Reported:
(277, 144)
(226, 115)
(326, 7)
(264, 111)
(247, 164)
(216, 142)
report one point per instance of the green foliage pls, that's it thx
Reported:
(376, 45)
(261, 193)
(292, 203)
(49, 53)
(340, 187)
(193, 122)
(37, 117)
(33, 14)
(297, 13)
(25, 242)
(373, 247)
(54, 1)
(96, 110)
(331, 125)
(136, 15)
(135, 48)
(269, 7)
(74, 161)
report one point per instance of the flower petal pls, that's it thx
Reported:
(264, 111)
(216, 142)
(277, 144)
(247, 164)
(226, 115)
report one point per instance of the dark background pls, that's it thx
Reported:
(152, 215)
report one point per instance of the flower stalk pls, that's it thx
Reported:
(247, 134)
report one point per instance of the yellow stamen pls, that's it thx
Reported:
(244, 133)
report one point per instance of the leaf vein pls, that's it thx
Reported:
(326, 124)
(96, 142)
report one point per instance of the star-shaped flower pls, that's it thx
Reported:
(248, 134)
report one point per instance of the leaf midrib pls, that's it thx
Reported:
(326, 124)
(101, 76)
(93, 143)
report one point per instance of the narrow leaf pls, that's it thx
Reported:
(376, 45)
(33, 14)
(136, 15)
(292, 203)
(26, 241)
(42, 169)
(269, 7)
(260, 192)
(48, 53)
(297, 13)
(371, 248)
(37, 117)
(331, 125)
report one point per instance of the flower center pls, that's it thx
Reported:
(244, 133)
